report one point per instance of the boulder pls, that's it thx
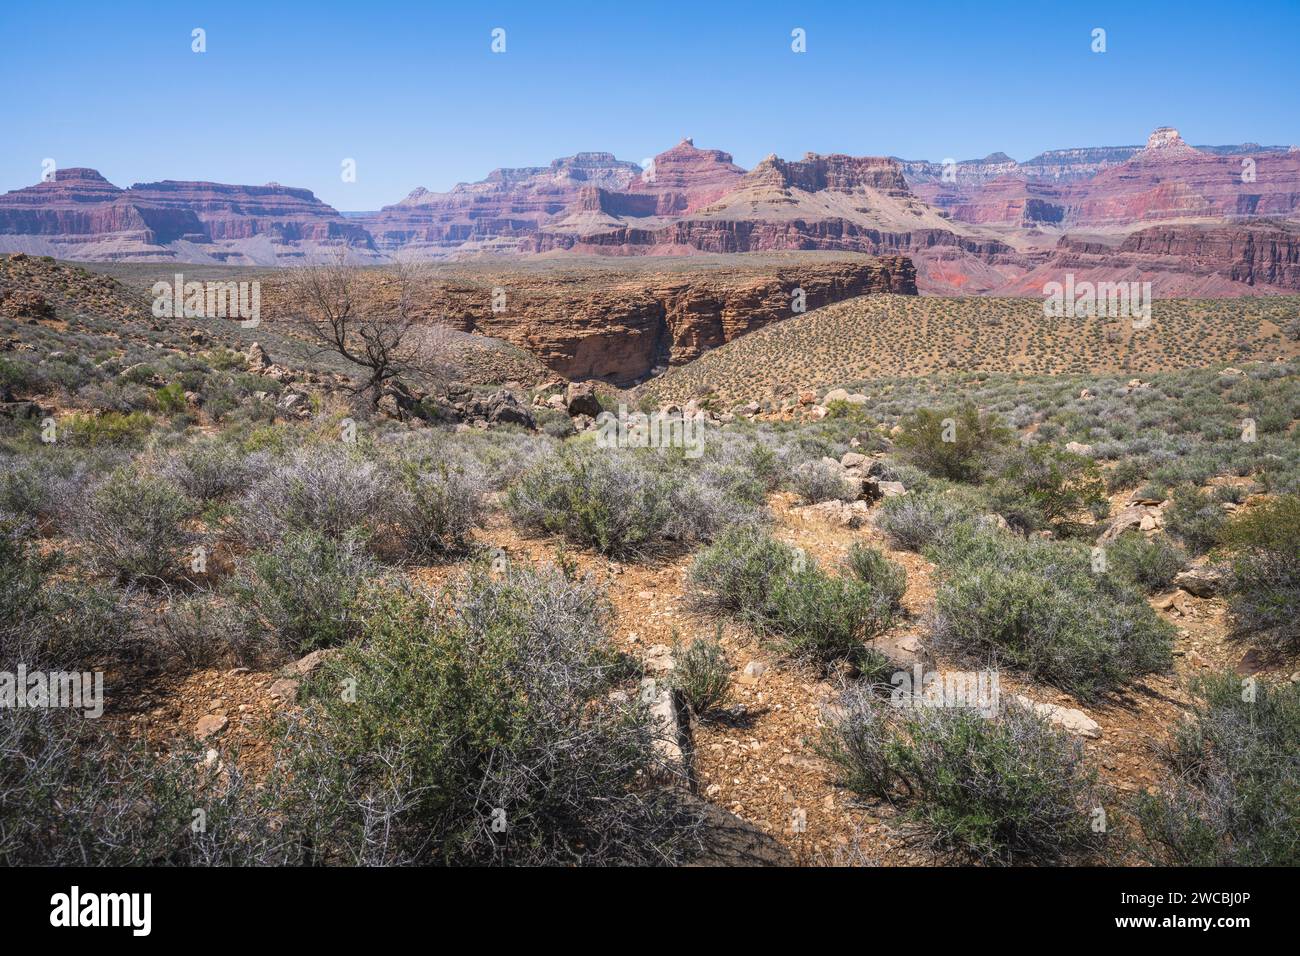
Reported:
(1202, 582)
(1130, 518)
(307, 665)
(581, 399)
(502, 408)
(841, 514)
(257, 358)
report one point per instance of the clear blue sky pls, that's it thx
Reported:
(413, 93)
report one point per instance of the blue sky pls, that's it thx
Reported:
(413, 93)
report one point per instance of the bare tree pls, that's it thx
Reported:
(372, 318)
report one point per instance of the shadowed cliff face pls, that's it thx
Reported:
(620, 328)
(621, 324)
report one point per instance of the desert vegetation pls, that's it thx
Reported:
(460, 629)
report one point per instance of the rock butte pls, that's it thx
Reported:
(1206, 220)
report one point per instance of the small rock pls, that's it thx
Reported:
(1067, 718)
(210, 725)
(285, 690)
(1252, 662)
(659, 658)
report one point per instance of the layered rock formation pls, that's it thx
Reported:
(591, 324)
(1181, 260)
(1167, 179)
(620, 324)
(78, 214)
(976, 226)
(499, 211)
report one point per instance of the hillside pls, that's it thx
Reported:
(876, 336)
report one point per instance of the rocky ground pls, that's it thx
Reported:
(758, 760)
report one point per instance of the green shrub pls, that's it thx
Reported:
(482, 731)
(1041, 487)
(818, 481)
(110, 428)
(1195, 519)
(1264, 541)
(1038, 606)
(703, 674)
(1232, 793)
(300, 593)
(1147, 563)
(597, 497)
(915, 522)
(170, 399)
(803, 612)
(1012, 789)
(133, 524)
(958, 443)
(439, 502)
(887, 578)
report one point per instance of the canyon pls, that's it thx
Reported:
(1210, 220)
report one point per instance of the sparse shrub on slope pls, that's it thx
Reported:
(438, 503)
(1264, 541)
(702, 673)
(627, 503)
(888, 578)
(133, 524)
(915, 522)
(1043, 487)
(1195, 519)
(212, 469)
(1009, 789)
(329, 489)
(491, 704)
(1148, 563)
(71, 794)
(818, 481)
(806, 613)
(609, 500)
(300, 593)
(1038, 606)
(1233, 792)
(959, 444)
